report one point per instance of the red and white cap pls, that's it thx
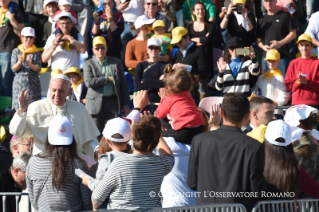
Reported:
(60, 130)
(28, 31)
(65, 2)
(65, 14)
(298, 112)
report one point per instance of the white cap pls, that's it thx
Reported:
(120, 126)
(298, 112)
(65, 14)
(60, 130)
(142, 20)
(46, 2)
(278, 129)
(28, 31)
(153, 42)
(65, 2)
(60, 76)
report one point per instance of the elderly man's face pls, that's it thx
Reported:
(151, 6)
(23, 145)
(59, 90)
(65, 25)
(19, 178)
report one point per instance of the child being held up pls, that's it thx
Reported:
(177, 105)
(159, 29)
(13, 5)
(78, 86)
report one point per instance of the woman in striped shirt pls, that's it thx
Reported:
(133, 181)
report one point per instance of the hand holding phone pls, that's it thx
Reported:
(242, 51)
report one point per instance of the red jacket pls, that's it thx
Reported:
(180, 110)
(307, 184)
(301, 93)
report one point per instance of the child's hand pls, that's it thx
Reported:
(20, 60)
(162, 92)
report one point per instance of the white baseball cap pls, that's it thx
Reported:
(298, 112)
(46, 2)
(278, 129)
(60, 130)
(28, 31)
(153, 42)
(65, 2)
(120, 126)
(142, 20)
(65, 14)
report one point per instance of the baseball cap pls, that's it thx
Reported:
(46, 2)
(60, 130)
(239, 1)
(142, 20)
(28, 31)
(72, 70)
(278, 129)
(55, 72)
(153, 42)
(304, 37)
(235, 41)
(117, 126)
(178, 33)
(99, 40)
(65, 2)
(272, 54)
(298, 112)
(65, 14)
(158, 23)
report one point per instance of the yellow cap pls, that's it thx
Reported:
(239, 1)
(178, 33)
(158, 23)
(72, 70)
(272, 54)
(304, 37)
(99, 40)
(55, 72)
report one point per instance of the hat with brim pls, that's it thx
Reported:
(235, 42)
(304, 37)
(28, 32)
(177, 34)
(117, 126)
(272, 54)
(65, 14)
(298, 112)
(46, 2)
(60, 130)
(239, 1)
(158, 23)
(278, 133)
(153, 42)
(142, 20)
(72, 70)
(99, 40)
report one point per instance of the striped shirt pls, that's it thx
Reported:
(227, 83)
(74, 195)
(133, 182)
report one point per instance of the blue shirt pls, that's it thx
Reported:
(235, 65)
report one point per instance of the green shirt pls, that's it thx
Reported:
(209, 4)
(109, 89)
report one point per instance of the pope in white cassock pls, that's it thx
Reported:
(33, 120)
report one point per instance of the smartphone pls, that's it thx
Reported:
(60, 38)
(223, 8)
(100, 12)
(239, 8)
(242, 51)
(123, 1)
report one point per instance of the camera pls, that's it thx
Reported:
(239, 8)
(100, 12)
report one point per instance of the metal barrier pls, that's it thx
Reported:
(227, 207)
(17, 195)
(301, 205)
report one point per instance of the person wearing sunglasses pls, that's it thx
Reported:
(152, 11)
(107, 91)
(26, 63)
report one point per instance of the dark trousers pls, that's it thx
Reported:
(109, 110)
(37, 23)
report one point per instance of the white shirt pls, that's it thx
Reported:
(134, 9)
(63, 58)
(313, 27)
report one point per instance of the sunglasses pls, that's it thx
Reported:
(151, 3)
(154, 48)
(29, 37)
(98, 48)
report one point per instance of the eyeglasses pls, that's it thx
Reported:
(151, 3)
(65, 23)
(154, 47)
(98, 48)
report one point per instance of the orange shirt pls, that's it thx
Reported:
(136, 52)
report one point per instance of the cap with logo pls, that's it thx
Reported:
(158, 23)
(99, 40)
(117, 126)
(65, 14)
(278, 133)
(304, 37)
(153, 42)
(298, 112)
(28, 31)
(178, 33)
(272, 54)
(142, 20)
(60, 130)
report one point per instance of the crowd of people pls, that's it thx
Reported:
(93, 143)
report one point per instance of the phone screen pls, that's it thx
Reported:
(242, 51)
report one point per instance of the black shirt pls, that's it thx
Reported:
(275, 27)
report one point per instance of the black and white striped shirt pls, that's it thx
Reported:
(227, 83)
(74, 195)
(133, 182)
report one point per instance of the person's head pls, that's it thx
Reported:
(55, 72)
(180, 37)
(50, 7)
(66, 22)
(61, 146)
(99, 47)
(18, 169)
(159, 27)
(5, 3)
(232, 44)
(305, 45)
(281, 169)
(20, 145)
(302, 116)
(27, 37)
(65, 5)
(273, 59)
(150, 6)
(146, 134)
(143, 25)
(108, 4)
(235, 108)
(261, 111)
(270, 5)
(199, 11)
(153, 47)
(178, 80)
(73, 74)
(60, 88)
